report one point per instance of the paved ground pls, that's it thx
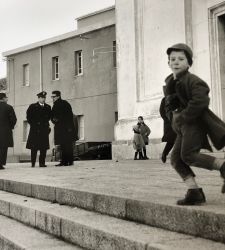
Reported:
(142, 180)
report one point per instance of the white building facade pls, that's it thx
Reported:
(144, 30)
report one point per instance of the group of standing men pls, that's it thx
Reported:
(39, 115)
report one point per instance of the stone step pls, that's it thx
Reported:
(201, 221)
(17, 236)
(95, 231)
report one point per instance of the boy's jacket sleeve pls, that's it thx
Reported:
(198, 101)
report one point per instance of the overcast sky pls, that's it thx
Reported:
(26, 21)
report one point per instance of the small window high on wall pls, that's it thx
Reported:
(114, 54)
(26, 75)
(55, 68)
(78, 57)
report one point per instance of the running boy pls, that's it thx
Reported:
(187, 99)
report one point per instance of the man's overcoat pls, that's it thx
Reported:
(38, 117)
(7, 122)
(63, 118)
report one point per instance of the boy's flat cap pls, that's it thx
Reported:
(180, 46)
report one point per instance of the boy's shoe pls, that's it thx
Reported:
(193, 197)
(1, 167)
(222, 173)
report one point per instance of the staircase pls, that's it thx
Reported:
(48, 213)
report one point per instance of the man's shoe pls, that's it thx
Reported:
(60, 164)
(222, 173)
(1, 167)
(43, 166)
(193, 197)
(223, 188)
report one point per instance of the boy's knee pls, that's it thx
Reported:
(187, 158)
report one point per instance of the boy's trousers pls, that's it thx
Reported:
(186, 150)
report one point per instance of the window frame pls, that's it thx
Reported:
(78, 63)
(26, 75)
(55, 68)
(114, 55)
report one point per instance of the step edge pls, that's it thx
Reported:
(131, 206)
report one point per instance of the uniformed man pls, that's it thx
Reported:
(65, 132)
(38, 116)
(7, 123)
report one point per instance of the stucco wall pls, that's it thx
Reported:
(108, 14)
(153, 27)
(92, 94)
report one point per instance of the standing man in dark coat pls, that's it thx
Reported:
(38, 116)
(64, 131)
(7, 123)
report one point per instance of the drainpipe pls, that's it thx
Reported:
(41, 74)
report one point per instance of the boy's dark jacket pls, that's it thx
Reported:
(189, 96)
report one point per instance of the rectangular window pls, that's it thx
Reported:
(114, 54)
(116, 117)
(25, 131)
(55, 68)
(80, 120)
(26, 75)
(78, 62)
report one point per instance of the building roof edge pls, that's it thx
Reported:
(59, 38)
(95, 13)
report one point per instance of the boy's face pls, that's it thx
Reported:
(178, 62)
(140, 120)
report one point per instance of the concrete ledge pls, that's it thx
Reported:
(48, 223)
(75, 198)
(125, 150)
(7, 244)
(192, 221)
(95, 231)
(18, 187)
(16, 236)
(23, 214)
(43, 192)
(185, 220)
(91, 238)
